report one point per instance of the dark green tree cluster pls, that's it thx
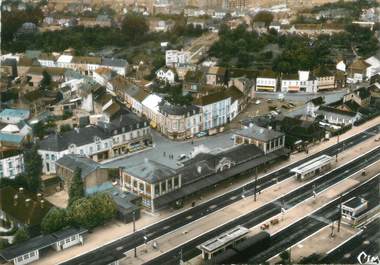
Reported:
(85, 212)
(46, 81)
(173, 95)
(243, 48)
(134, 26)
(263, 16)
(33, 169)
(11, 21)
(93, 211)
(54, 220)
(21, 235)
(354, 8)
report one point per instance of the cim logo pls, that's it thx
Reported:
(364, 258)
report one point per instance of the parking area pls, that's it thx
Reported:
(168, 152)
(261, 106)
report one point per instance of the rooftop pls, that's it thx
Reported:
(224, 239)
(39, 242)
(21, 113)
(354, 202)
(150, 171)
(73, 162)
(169, 109)
(259, 133)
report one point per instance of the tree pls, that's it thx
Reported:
(54, 220)
(76, 190)
(46, 80)
(39, 129)
(4, 243)
(134, 26)
(21, 235)
(263, 16)
(33, 168)
(65, 128)
(82, 213)
(104, 206)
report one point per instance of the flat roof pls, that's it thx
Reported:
(224, 239)
(312, 164)
(354, 202)
(39, 242)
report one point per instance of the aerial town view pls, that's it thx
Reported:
(189, 132)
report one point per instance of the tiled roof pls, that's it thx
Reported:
(73, 162)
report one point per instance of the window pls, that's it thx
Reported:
(47, 156)
(163, 186)
(176, 182)
(32, 254)
(141, 186)
(81, 152)
(19, 259)
(135, 183)
(106, 145)
(170, 184)
(98, 147)
(10, 164)
(26, 256)
(91, 149)
(156, 189)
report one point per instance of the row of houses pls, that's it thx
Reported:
(125, 134)
(210, 110)
(83, 64)
(266, 80)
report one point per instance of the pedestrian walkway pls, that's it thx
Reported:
(318, 244)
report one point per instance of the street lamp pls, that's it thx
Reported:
(134, 230)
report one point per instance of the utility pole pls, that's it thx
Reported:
(134, 230)
(255, 187)
(340, 212)
(180, 257)
(336, 156)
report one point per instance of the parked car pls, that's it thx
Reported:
(257, 102)
(201, 134)
(182, 157)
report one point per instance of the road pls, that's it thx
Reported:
(271, 209)
(368, 242)
(165, 226)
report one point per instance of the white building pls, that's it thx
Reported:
(266, 81)
(175, 58)
(166, 75)
(307, 83)
(215, 109)
(86, 65)
(11, 166)
(151, 108)
(374, 66)
(290, 83)
(96, 142)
